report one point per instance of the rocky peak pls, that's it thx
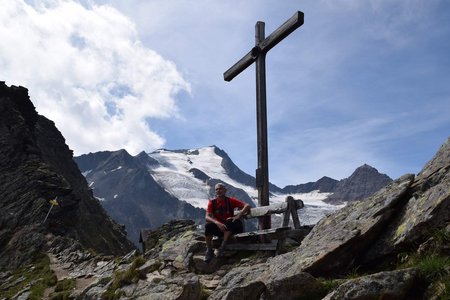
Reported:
(324, 185)
(144, 159)
(35, 166)
(364, 181)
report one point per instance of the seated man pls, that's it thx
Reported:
(220, 219)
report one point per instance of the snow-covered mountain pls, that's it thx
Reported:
(188, 174)
(149, 189)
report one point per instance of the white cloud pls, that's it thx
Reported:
(86, 69)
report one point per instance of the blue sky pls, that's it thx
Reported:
(359, 82)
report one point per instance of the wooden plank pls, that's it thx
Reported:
(241, 65)
(264, 46)
(269, 234)
(292, 208)
(253, 247)
(299, 233)
(276, 208)
(283, 31)
(266, 210)
(286, 216)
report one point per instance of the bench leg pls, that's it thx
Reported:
(280, 244)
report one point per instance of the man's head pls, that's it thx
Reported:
(220, 190)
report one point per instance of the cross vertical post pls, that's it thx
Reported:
(262, 173)
(258, 55)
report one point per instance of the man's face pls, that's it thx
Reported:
(220, 191)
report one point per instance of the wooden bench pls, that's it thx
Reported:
(271, 239)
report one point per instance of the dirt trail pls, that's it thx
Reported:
(62, 271)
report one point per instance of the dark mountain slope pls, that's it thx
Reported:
(324, 185)
(364, 182)
(35, 166)
(129, 193)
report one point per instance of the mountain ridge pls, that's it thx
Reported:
(186, 179)
(36, 166)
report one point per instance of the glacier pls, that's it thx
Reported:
(173, 173)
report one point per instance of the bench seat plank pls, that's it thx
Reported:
(273, 233)
(272, 246)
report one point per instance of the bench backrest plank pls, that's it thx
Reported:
(276, 208)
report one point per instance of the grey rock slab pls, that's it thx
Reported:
(427, 209)
(337, 239)
(384, 285)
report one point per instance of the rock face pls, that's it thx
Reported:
(364, 181)
(35, 166)
(324, 185)
(383, 285)
(133, 197)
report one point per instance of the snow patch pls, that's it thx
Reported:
(116, 169)
(86, 173)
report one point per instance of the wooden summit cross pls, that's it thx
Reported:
(258, 54)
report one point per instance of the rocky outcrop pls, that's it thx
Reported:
(400, 216)
(426, 211)
(363, 182)
(384, 285)
(35, 166)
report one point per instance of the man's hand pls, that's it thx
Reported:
(241, 214)
(222, 226)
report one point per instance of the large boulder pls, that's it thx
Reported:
(427, 210)
(396, 285)
(267, 281)
(335, 242)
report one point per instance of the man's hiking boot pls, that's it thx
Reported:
(209, 255)
(221, 250)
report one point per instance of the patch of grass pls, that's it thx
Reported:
(63, 289)
(112, 295)
(205, 293)
(442, 236)
(65, 284)
(327, 285)
(139, 261)
(434, 267)
(123, 278)
(37, 276)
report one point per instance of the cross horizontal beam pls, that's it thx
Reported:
(268, 43)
